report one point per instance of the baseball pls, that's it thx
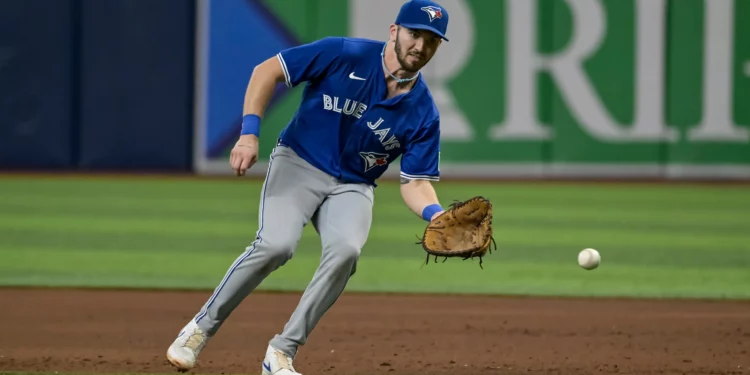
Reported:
(589, 259)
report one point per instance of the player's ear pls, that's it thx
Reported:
(393, 31)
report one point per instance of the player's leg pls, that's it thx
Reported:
(291, 194)
(343, 222)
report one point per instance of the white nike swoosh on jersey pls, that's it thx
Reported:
(352, 76)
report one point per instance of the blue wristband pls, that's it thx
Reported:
(430, 210)
(251, 125)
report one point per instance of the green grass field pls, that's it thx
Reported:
(655, 240)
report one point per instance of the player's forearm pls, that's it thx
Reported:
(418, 195)
(258, 94)
(262, 84)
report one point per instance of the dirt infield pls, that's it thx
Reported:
(129, 331)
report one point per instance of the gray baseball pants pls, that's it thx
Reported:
(295, 193)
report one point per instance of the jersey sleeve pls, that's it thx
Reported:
(309, 61)
(421, 158)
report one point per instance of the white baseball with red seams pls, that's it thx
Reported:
(589, 259)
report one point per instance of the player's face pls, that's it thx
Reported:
(415, 48)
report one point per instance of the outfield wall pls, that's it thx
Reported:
(96, 85)
(624, 88)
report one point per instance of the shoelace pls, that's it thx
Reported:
(284, 361)
(194, 340)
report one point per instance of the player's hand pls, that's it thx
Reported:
(244, 154)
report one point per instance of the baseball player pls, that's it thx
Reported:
(364, 104)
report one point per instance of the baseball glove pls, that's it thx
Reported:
(463, 230)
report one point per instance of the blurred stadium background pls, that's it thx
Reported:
(116, 118)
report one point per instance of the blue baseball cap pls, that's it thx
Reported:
(423, 15)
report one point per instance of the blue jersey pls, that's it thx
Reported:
(345, 124)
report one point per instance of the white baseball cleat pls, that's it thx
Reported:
(277, 363)
(183, 353)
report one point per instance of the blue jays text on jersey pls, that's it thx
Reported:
(345, 124)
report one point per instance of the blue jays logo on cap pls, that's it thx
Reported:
(424, 15)
(433, 11)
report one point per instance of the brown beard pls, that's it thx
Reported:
(401, 60)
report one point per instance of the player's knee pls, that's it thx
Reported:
(347, 253)
(279, 251)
